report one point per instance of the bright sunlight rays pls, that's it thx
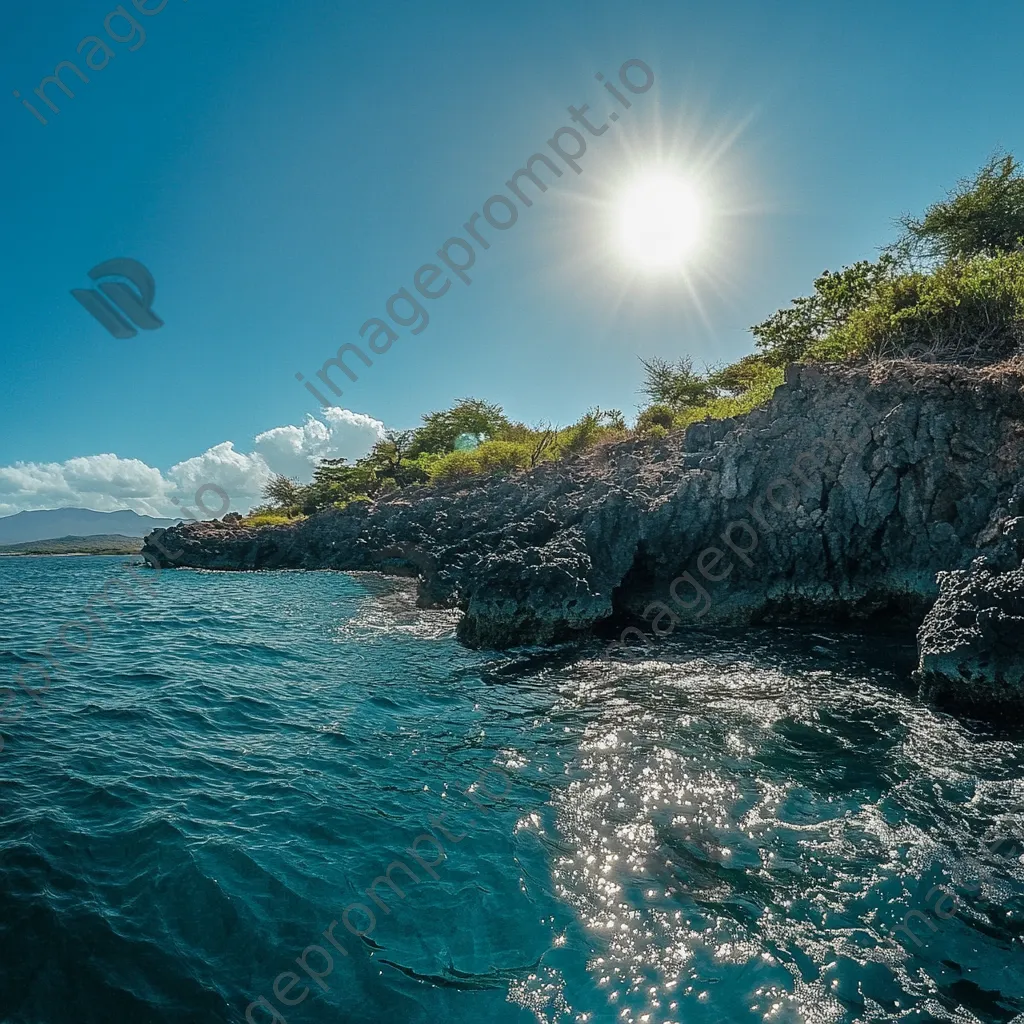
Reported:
(660, 222)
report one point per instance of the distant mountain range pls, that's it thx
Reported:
(98, 545)
(52, 524)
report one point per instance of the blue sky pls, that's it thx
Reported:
(283, 168)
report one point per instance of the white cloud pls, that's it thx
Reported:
(107, 483)
(102, 482)
(218, 476)
(295, 451)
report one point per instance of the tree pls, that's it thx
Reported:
(983, 215)
(787, 334)
(739, 377)
(387, 454)
(282, 492)
(331, 471)
(675, 384)
(468, 416)
(334, 483)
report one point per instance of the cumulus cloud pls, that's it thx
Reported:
(107, 482)
(220, 476)
(295, 451)
(101, 482)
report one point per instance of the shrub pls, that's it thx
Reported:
(503, 456)
(674, 384)
(762, 386)
(662, 416)
(983, 215)
(592, 427)
(951, 285)
(787, 334)
(455, 466)
(970, 310)
(267, 519)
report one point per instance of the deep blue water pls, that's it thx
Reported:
(735, 831)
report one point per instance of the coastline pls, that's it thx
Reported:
(848, 497)
(66, 554)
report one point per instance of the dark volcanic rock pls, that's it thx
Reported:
(971, 643)
(840, 499)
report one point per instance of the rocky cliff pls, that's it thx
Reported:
(841, 499)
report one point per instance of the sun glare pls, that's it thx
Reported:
(660, 222)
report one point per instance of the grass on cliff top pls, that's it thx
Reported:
(270, 519)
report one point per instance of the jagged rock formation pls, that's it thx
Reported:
(971, 643)
(842, 498)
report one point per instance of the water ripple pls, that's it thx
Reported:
(758, 825)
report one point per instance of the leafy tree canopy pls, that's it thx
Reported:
(282, 491)
(787, 334)
(676, 384)
(983, 215)
(468, 416)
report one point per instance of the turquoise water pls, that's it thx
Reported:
(735, 831)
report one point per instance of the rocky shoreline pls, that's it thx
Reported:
(888, 490)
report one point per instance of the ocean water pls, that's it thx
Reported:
(751, 826)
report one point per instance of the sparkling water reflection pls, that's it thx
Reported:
(741, 829)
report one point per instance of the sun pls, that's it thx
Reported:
(660, 221)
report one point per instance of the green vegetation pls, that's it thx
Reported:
(982, 216)
(682, 396)
(787, 335)
(950, 288)
(102, 544)
(470, 416)
(427, 456)
(969, 309)
(269, 518)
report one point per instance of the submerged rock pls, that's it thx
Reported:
(841, 499)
